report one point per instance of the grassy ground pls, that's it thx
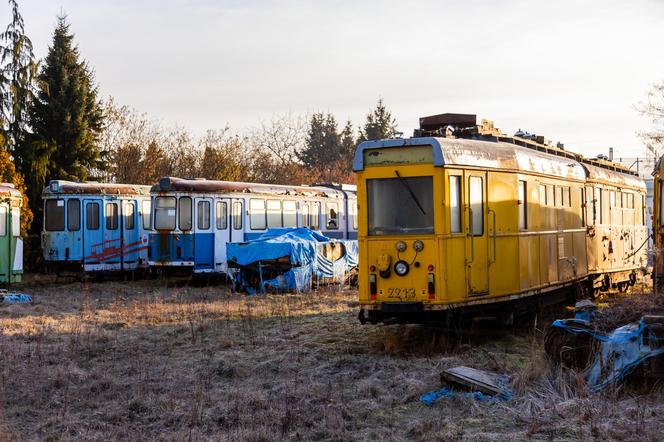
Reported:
(140, 361)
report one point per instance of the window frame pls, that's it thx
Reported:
(237, 215)
(328, 218)
(87, 218)
(48, 202)
(146, 215)
(218, 218)
(202, 204)
(126, 216)
(289, 212)
(174, 217)
(522, 198)
(458, 216)
(111, 222)
(274, 211)
(70, 202)
(472, 213)
(188, 224)
(257, 215)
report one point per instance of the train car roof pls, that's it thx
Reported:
(62, 187)
(8, 189)
(505, 156)
(174, 184)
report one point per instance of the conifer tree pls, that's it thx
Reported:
(322, 145)
(66, 120)
(67, 117)
(347, 144)
(379, 124)
(17, 71)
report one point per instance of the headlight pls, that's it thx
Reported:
(418, 246)
(401, 268)
(401, 246)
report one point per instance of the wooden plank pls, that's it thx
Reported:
(478, 380)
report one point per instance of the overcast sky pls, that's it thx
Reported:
(569, 70)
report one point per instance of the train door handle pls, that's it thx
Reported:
(493, 236)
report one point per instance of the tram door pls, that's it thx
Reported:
(477, 259)
(131, 240)
(222, 231)
(237, 233)
(93, 232)
(112, 246)
(204, 236)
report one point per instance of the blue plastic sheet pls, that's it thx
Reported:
(445, 393)
(301, 246)
(15, 298)
(620, 352)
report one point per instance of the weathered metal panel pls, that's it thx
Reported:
(616, 178)
(173, 184)
(60, 187)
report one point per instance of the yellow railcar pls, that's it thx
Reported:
(472, 218)
(658, 222)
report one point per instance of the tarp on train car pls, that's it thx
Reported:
(291, 259)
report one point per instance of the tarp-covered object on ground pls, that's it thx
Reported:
(287, 259)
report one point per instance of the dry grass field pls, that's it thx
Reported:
(142, 361)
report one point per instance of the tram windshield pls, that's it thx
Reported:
(400, 205)
(164, 213)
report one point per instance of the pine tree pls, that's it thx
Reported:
(17, 71)
(347, 144)
(379, 124)
(66, 117)
(66, 120)
(322, 145)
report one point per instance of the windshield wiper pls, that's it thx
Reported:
(412, 194)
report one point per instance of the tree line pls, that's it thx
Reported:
(53, 125)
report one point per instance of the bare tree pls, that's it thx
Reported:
(653, 108)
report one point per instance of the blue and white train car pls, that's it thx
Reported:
(95, 227)
(193, 220)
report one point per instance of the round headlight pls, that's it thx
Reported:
(401, 246)
(401, 268)
(418, 246)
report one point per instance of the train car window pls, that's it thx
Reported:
(542, 195)
(73, 215)
(129, 216)
(567, 196)
(612, 199)
(400, 205)
(222, 215)
(92, 216)
(354, 214)
(597, 213)
(184, 213)
(164, 213)
(111, 216)
(476, 200)
(16, 221)
(237, 215)
(332, 213)
(631, 200)
(582, 199)
(203, 215)
(314, 220)
(305, 215)
(145, 213)
(274, 213)
(3, 220)
(54, 219)
(290, 214)
(550, 201)
(523, 206)
(257, 214)
(559, 196)
(455, 204)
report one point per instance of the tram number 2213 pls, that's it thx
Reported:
(401, 293)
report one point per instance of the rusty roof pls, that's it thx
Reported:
(62, 187)
(8, 189)
(174, 184)
(508, 156)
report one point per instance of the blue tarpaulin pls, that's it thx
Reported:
(302, 247)
(14, 298)
(620, 352)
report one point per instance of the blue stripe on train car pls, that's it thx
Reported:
(352, 235)
(204, 251)
(335, 234)
(164, 247)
